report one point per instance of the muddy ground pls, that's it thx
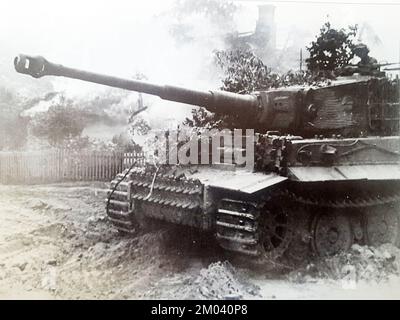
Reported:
(56, 243)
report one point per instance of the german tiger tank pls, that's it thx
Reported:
(325, 168)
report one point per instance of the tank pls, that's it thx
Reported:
(325, 172)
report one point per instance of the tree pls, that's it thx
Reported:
(332, 48)
(243, 71)
(220, 15)
(201, 118)
(61, 123)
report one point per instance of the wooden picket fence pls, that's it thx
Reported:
(64, 165)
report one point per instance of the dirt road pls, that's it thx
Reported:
(56, 243)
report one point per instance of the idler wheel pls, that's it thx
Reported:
(383, 225)
(331, 233)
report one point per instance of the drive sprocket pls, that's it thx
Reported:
(260, 230)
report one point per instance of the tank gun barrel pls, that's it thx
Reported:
(391, 69)
(216, 101)
(376, 64)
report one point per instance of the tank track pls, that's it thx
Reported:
(119, 204)
(236, 226)
(175, 199)
(254, 229)
(372, 219)
(359, 202)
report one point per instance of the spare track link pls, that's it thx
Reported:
(237, 226)
(119, 205)
(142, 194)
(167, 197)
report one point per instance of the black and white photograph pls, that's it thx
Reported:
(199, 150)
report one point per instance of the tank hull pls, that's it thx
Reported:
(317, 208)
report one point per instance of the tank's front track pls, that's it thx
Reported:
(137, 195)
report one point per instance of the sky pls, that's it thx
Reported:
(123, 37)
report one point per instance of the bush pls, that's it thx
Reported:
(332, 48)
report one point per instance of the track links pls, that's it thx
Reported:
(119, 205)
(237, 226)
(359, 202)
(142, 194)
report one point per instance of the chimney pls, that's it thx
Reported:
(266, 25)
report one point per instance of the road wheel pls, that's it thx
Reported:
(331, 233)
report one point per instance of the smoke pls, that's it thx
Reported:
(121, 39)
(187, 38)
